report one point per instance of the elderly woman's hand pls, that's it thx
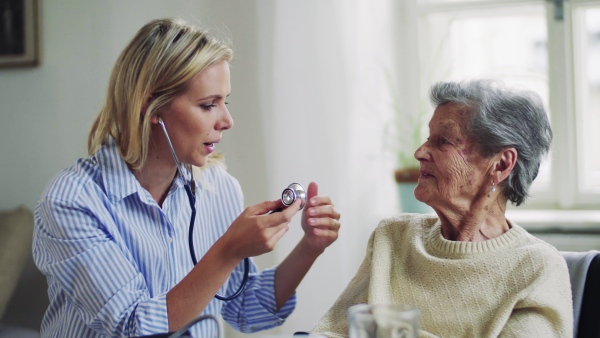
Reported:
(320, 220)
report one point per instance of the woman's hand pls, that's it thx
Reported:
(320, 220)
(256, 232)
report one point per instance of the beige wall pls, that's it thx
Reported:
(46, 111)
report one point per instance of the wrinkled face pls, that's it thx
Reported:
(452, 170)
(196, 118)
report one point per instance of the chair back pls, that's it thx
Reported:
(584, 271)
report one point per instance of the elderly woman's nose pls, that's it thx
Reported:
(421, 153)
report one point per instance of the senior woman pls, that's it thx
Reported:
(470, 271)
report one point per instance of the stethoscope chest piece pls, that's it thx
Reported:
(291, 193)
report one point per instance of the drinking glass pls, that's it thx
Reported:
(383, 321)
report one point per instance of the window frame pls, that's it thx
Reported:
(563, 193)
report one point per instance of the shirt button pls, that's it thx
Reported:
(169, 240)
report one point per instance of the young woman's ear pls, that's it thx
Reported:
(144, 111)
(154, 118)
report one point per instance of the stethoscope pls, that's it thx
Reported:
(288, 196)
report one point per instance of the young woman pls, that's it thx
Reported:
(111, 231)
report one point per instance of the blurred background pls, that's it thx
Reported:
(328, 91)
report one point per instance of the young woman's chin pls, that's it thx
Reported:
(199, 160)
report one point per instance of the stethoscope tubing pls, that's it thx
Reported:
(188, 184)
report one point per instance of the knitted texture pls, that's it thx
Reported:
(513, 285)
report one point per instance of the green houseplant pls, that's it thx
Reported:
(403, 135)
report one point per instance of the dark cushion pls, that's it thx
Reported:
(589, 319)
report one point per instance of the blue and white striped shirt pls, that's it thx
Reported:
(111, 253)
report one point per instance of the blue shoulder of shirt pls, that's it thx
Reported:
(68, 184)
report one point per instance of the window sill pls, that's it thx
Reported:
(567, 230)
(557, 221)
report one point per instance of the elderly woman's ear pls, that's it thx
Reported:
(504, 165)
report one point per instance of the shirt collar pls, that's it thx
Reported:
(118, 179)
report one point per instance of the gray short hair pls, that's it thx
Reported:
(503, 118)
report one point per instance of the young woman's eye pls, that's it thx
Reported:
(208, 106)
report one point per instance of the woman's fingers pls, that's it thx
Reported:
(256, 232)
(324, 222)
(263, 208)
(320, 219)
(327, 210)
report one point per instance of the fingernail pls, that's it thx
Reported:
(312, 211)
(312, 221)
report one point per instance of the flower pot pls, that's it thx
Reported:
(406, 180)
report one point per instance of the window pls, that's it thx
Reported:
(553, 50)
(587, 89)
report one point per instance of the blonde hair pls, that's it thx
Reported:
(156, 65)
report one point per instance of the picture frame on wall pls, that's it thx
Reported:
(19, 36)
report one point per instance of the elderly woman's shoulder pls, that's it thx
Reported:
(528, 240)
(407, 220)
(533, 249)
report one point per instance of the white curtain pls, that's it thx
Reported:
(325, 100)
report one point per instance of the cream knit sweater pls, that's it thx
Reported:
(514, 285)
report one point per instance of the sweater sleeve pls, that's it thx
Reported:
(545, 311)
(334, 323)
